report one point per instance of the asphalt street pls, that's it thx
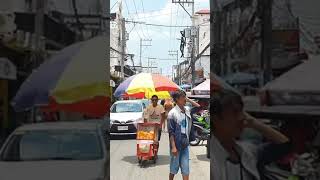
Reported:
(124, 163)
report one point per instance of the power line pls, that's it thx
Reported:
(160, 25)
(174, 32)
(114, 5)
(135, 7)
(160, 59)
(157, 15)
(170, 28)
(144, 16)
(131, 18)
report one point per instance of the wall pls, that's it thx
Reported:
(203, 63)
(202, 21)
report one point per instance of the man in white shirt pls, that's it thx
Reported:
(181, 132)
(236, 160)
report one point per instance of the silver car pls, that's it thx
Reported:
(125, 115)
(57, 150)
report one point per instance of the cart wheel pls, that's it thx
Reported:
(139, 160)
(143, 163)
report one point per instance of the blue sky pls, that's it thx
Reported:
(163, 38)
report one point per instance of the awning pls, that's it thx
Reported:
(7, 69)
(298, 86)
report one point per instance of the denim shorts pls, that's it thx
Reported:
(180, 161)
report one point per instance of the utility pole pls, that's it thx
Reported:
(123, 45)
(172, 73)
(266, 34)
(141, 44)
(149, 64)
(36, 56)
(193, 69)
(176, 53)
(216, 38)
(39, 24)
(193, 35)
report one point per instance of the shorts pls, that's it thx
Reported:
(180, 161)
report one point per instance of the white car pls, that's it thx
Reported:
(125, 115)
(56, 150)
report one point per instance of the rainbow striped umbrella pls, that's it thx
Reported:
(144, 85)
(73, 80)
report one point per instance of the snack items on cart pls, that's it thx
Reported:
(146, 135)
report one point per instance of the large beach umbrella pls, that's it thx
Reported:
(74, 80)
(145, 85)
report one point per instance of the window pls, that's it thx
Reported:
(126, 107)
(53, 145)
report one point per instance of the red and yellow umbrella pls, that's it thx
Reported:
(145, 85)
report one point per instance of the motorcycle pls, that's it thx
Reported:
(201, 124)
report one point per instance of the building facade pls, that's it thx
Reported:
(18, 22)
(202, 22)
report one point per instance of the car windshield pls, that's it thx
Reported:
(146, 102)
(53, 145)
(126, 107)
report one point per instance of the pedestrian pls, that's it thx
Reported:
(168, 105)
(240, 160)
(181, 132)
(155, 113)
(162, 102)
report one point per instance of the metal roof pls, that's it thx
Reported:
(203, 11)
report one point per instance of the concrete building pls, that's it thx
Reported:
(202, 40)
(292, 34)
(17, 42)
(202, 21)
(116, 44)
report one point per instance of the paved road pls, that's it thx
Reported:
(124, 163)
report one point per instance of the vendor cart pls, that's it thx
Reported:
(147, 142)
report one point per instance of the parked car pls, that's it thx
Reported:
(146, 102)
(124, 117)
(56, 150)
